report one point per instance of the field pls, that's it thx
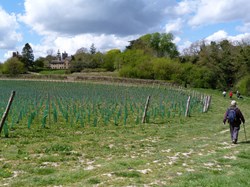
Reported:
(84, 134)
(86, 104)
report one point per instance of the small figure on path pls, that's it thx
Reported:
(224, 93)
(238, 95)
(234, 117)
(230, 94)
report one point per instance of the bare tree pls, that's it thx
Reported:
(50, 52)
(81, 50)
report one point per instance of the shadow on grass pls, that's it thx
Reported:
(244, 142)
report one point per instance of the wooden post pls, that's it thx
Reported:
(209, 102)
(5, 114)
(145, 110)
(204, 103)
(49, 107)
(187, 107)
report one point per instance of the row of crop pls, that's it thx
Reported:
(82, 104)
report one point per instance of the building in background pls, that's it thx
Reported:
(61, 62)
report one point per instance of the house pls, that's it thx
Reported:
(16, 54)
(62, 61)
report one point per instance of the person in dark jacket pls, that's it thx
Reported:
(235, 124)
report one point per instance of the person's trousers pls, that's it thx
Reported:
(234, 131)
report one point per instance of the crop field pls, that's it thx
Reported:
(61, 134)
(85, 104)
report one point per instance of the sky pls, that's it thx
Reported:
(68, 25)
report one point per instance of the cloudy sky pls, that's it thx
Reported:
(67, 25)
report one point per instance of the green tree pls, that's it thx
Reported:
(80, 61)
(156, 44)
(136, 64)
(243, 85)
(142, 43)
(110, 58)
(28, 56)
(243, 60)
(92, 49)
(222, 63)
(76, 66)
(1, 67)
(166, 46)
(166, 69)
(97, 60)
(163, 45)
(13, 66)
(218, 58)
(84, 60)
(39, 62)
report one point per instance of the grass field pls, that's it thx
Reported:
(193, 151)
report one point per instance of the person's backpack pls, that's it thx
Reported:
(231, 115)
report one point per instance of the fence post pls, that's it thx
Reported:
(49, 108)
(5, 114)
(187, 107)
(145, 110)
(204, 103)
(208, 102)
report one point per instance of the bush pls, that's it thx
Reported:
(144, 70)
(166, 69)
(1, 68)
(128, 71)
(243, 86)
(199, 77)
(110, 58)
(13, 67)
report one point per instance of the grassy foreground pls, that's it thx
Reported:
(195, 151)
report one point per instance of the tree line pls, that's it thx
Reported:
(216, 65)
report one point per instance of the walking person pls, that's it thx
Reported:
(231, 94)
(234, 117)
(224, 93)
(237, 94)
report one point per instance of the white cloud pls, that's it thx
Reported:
(177, 40)
(217, 36)
(102, 43)
(186, 7)
(244, 28)
(214, 11)
(8, 34)
(222, 35)
(7, 55)
(174, 26)
(184, 45)
(240, 37)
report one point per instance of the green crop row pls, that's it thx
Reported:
(41, 104)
